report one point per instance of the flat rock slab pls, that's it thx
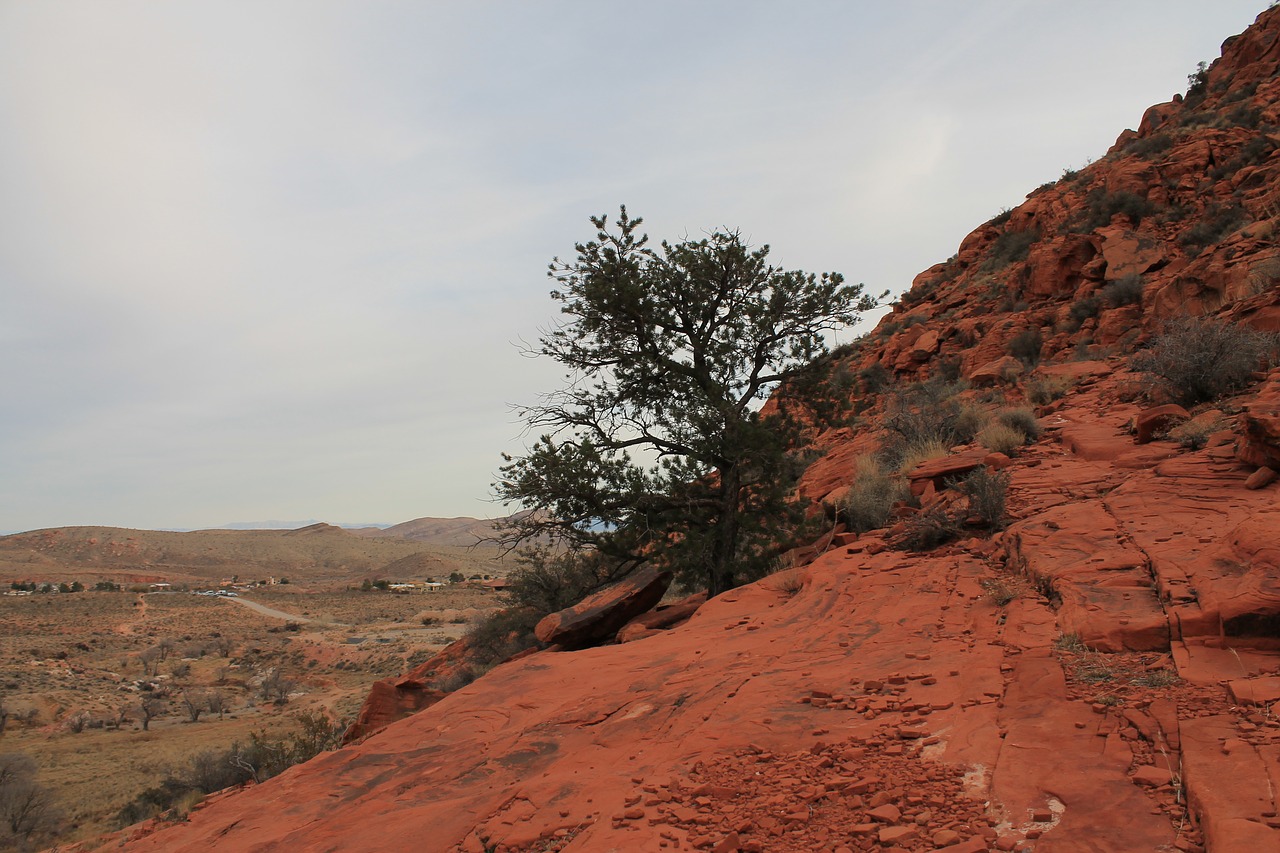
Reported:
(1101, 577)
(1231, 784)
(1051, 752)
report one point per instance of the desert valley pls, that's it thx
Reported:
(1037, 609)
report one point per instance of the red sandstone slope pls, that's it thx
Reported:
(899, 701)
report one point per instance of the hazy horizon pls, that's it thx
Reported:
(269, 261)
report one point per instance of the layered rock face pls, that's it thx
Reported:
(1103, 674)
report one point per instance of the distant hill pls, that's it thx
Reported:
(315, 552)
(461, 532)
(294, 525)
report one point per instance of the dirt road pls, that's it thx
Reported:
(268, 611)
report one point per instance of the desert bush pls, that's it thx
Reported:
(1023, 420)
(1083, 309)
(548, 581)
(999, 437)
(1123, 291)
(971, 418)
(1197, 359)
(1216, 223)
(1044, 390)
(27, 809)
(988, 493)
(923, 414)
(1101, 205)
(1026, 345)
(927, 530)
(1009, 247)
(1263, 275)
(504, 633)
(1005, 589)
(911, 455)
(871, 496)
(262, 757)
(1150, 147)
(874, 378)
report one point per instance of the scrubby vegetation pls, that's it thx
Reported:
(868, 505)
(1198, 359)
(264, 756)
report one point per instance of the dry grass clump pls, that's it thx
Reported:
(1045, 389)
(868, 505)
(920, 452)
(1001, 438)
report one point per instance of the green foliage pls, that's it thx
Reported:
(874, 378)
(502, 634)
(1083, 309)
(1197, 85)
(1216, 223)
(1123, 291)
(1010, 247)
(667, 353)
(1026, 345)
(1101, 205)
(1198, 359)
(1150, 147)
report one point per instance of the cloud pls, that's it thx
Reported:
(268, 259)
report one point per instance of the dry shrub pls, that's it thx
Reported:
(927, 530)
(1046, 389)
(988, 493)
(871, 496)
(1001, 438)
(1199, 359)
(1023, 420)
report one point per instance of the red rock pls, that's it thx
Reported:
(997, 461)
(973, 845)
(898, 835)
(599, 616)
(661, 618)
(1260, 479)
(887, 813)
(946, 468)
(996, 372)
(1149, 776)
(730, 844)
(1153, 422)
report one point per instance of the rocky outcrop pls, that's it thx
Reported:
(599, 616)
(1259, 442)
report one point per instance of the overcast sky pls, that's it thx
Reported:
(268, 260)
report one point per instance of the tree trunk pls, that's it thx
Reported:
(725, 541)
